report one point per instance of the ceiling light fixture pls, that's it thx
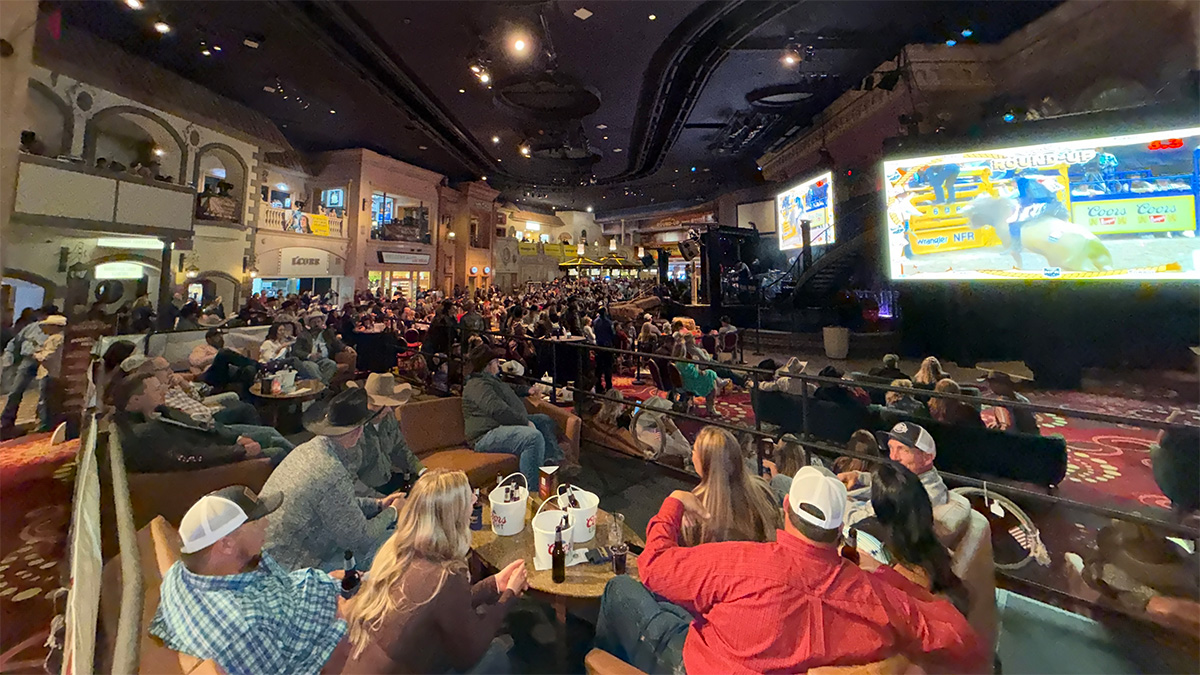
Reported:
(206, 52)
(159, 152)
(967, 32)
(268, 88)
(653, 17)
(483, 178)
(606, 138)
(519, 45)
(253, 41)
(462, 91)
(525, 150)
(951, 42)
(582, 14)
(216, 48)
(602, 127)
(589, 209)
(495, 140)
(162, 27)
(135, 4)
(476, 69)
(616, 150)
(422, 147)
(331, 112)
(485, 78)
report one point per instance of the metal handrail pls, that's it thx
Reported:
(127, 642)
(817, 379)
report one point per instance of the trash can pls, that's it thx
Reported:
(837, 342)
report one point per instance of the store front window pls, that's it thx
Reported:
(389, 282)
(395, 218)
(333, 202)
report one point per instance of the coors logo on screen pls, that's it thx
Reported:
(1119, 207)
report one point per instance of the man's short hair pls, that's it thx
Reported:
(128, 387)
(810, 531)
(891, 360)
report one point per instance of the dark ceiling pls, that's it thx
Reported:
(615, 109)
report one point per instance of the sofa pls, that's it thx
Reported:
(1040, 460)
(434, 431)
(158, 549)
(877, 395)
(171, 494)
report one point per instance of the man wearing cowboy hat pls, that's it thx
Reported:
(1016, 420)
(321, 517)
(22, 350)
(495, 419)
(386, 456)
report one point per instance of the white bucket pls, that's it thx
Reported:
(584, 517)
(509, 518)
(837, 342)
(543, 524)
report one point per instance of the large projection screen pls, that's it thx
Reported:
(1120, 207)
(811, 200)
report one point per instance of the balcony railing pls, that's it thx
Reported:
(62, 193)
(274, 219)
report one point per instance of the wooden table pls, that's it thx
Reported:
(585, 582)
(284, 411)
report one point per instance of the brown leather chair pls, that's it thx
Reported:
(171, 494)
(966, 533)
(434, 431)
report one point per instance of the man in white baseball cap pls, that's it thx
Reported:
(229, 601)
(722, 607)
(909, 445)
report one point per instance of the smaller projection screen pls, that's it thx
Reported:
(811, 200)
(1120, 207)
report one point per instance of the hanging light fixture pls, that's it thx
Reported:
(580, 250)
(612, 244)
(192, 271)
(641, 252)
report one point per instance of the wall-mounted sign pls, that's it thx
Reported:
(393, 258)
(299, 261)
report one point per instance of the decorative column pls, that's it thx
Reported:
(18, 24)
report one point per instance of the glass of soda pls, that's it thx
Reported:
(616, 541)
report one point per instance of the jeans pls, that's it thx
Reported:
(495, 660)
(49, 405)
(229, 367)
(549, 429)
(274, 445)
(25, 377)
(529, 445)
(641, 630)
(237, 412)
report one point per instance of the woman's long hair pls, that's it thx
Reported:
(740, 505)
(433, 526)
(943, 409)
(273, 331)
(930, 372)
(902, 506)
(893, 397)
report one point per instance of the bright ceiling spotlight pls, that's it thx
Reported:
(525, 150)
(162, 27)
(653, 17)
(216, 48)
(495, 140)
(485, 78)
(206, 52)
(967, 32)
(331, 112)
(476, 69)
(135, 4)
(462, 91)
(951, 43)
(589, 209)
(519, 45)
(159, 152)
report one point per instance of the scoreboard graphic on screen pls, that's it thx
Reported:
(1121, 207)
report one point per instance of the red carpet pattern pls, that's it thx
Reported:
(1106, 463)
(35, 490)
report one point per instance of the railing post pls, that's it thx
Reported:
(553, 371)
(804, 410)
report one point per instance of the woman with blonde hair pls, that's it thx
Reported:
(898, 400)
(416, 611)
(740, 505)
(929, 373)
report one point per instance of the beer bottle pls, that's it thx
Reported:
(477, 512)
(558, 558)
(850, 546)
(407, 485)
(571, 497)
(350, 576)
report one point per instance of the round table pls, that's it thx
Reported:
(585, 582)
(284, 411)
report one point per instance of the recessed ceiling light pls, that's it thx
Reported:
(589, 209)
(582, 14)
(135, 4)
(495, 139)
(525, 150)
(332, 111)
(616, 150)
(485, 78)
(653, 17)
(606, 138)
(216, 48)
(519, 45)
(601, 126)
(268, 88)
(206, 52)
(162, 27)
(251, 43)
(483, 178)
(462, 91)
(422, 147)
(159, 152)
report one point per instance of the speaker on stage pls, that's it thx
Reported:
(689, 249)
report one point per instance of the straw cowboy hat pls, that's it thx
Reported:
(339, 415)
(382, 390)
(513, 368)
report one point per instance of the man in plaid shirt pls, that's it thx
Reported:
(228, 601)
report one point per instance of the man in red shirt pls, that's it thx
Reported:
(782, 606)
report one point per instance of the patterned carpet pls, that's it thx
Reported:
(1106, 464)
(36, 482)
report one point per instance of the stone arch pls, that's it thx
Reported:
(50, 289)
(64, 108)
(145, 261)
(243, 191)
(232, 301)
(91, 133)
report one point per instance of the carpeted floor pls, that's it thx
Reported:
(1106, 464)
(36, 482)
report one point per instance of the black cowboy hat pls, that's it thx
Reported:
(339, 415)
